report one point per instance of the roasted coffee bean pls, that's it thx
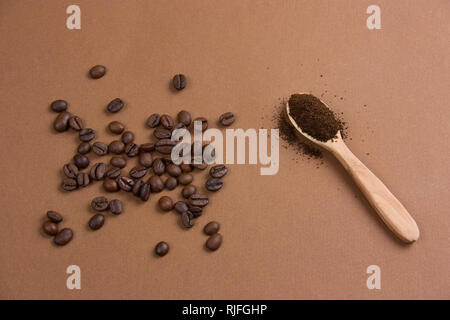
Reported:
(116, 147)
(86, 134)
(181, 207)
(214, 184)
(198, 200)
(113, 172)
(165, 203)
(187, 219)
(188, 191)
(162, 248)
(83, 179)
(115, 105)
(167, 121)
(116, 207)
(54, 216)
(226, 119)
(61, 122)
(59, 105)
(158, 166)
(50, 228)
(76, 123)
(69, 184)
(156, 184)
(185, 178)
(200, 166)
(137, 187)
(97, 71)
(84, 147)
(218, 171)
(165, 146)
(144, 192)
(119, 162)
(184, 117)
(100, 148)
(98, 171)
(81, 161)
(173, 170)
(97, 221)
(153, 120)
(162, 133)
(145, 159)
(127, 137)
(179, 81)
(211, 228)
(186, 167)
(125, 183)
(138, 172)
(213, 243)
(196, 211)
(116, 127)
(147, 147)
(110, 185)
(70, 170)
(204, 122)
(131, 149)
(180, 125)
(63, 237)
(100, 203)
(171, 183)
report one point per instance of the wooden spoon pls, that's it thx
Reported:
(390, 210)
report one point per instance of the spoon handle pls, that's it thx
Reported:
(390, 210)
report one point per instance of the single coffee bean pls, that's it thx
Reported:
(186, 167)
(162, 133)
(204, 122)
(137, 187)
(115, 105)
(162, 248)
(98, 171)
(226, 119)
(144, 192)
(86, 134)
(156, 184)
(195, 211)
(54, 216)
(83, 179)
(116, 127)
(138, 172)
(100, 203)
(119, 162)
(198, 200)
(97, 221)
(165, 203)
(147, 147)
(116, 147)
(171, 183)
(70, 170)
(187, 219)
(218, 171)
(165, 146)
(125, 183)
(50, 228)
(188, 191)
(185, 178)
(153, 120)
(61, 122)
(214, 184)
(173, 170)
(63, 237)
(211, 228)
(59, 105)
(214, 242)
(116, 207)
(100, 148)
(97, 71)
(167, 121)
(81, 161)
(84, 147)
(181, 207)
(158, 166)
(76, 123)
(184, 117)
(69, 184)
(131, 149)
(179, 81)
(145, 159)
(113, 173)
(127, 137)
(110, 185)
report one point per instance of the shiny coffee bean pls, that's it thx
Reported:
(211, 228)
(165, 146)
(83, 179)
(116, 147)
(147, 147)
(97, 221)
(162, 248)
(218, 171)
(226, 119)
(214, 242)
(186, 167)
(125, 183)
(171, 183)
(115, 105)
(116, 127)
(185, 178)
(138, 172)
(86, 134)
(198, 200)
(184, 117)
(158, 166)
(162, 133)
(98, 171)
(97, 71)
(127, 137)
(113, 173)
(173, 170)
(70, 170)
(131, 150)
(188, 191)
(154, 120)
(76, 123)
(145, 159)
(214, 184)
(84, 147)
(195, 211)
(119, 162)
(187, 219)
(50, 228)
(203, 121)
(81, 161)
(63, 237)
(181, 207)
(116, 207)
(100, 148)
(165, 203)
(137, 187)
(167, 121)
(179, 81)
(61, 122)
(156, 184)
(110, 185)
(69, 184)
(59, 105)
(100, 203)
(54, 216)
(144, 192)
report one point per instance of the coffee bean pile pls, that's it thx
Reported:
(50, 227)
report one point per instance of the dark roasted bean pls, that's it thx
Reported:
(83, 179)
(153, 120)
(156, 184)
(188, 191)
(171, 183)
(116, 147)
(100, 148)
(97, 71)
(226, 119)
(125, 183)
(127, 137)
(187, 219)
(119, 162)
(214, 184)
(165, 203)
(184, 117)
(69, 184)
(179, 81)
(113, 172)
(70, 170)
(81, 161)
(144, 192)
(214, 242)
(200, 166)
(86, 134)
(181, 207)
(165, 146)
(100, 203)
(147, 147)
(173, 170)
(186, 167)
(198, 200)
(59, 105)
(145, 159)
(50, 228)
(84, 147)
(97, 221)
(162, 133)
(110, 185)
(116, 207)
(218, 171)
(116, 127)
(76, 123)
(158, 166)
(185, 178)
(61, 122)
(54, 216)
(131, 149)
(167, 121)
(204, 122)
(138, 172)
(63, 237)
(161, 249)
(137, 187)
(211, 228)
(98, 171)
(115, 105)
(196, 211)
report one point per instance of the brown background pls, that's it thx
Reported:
(303, 233)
